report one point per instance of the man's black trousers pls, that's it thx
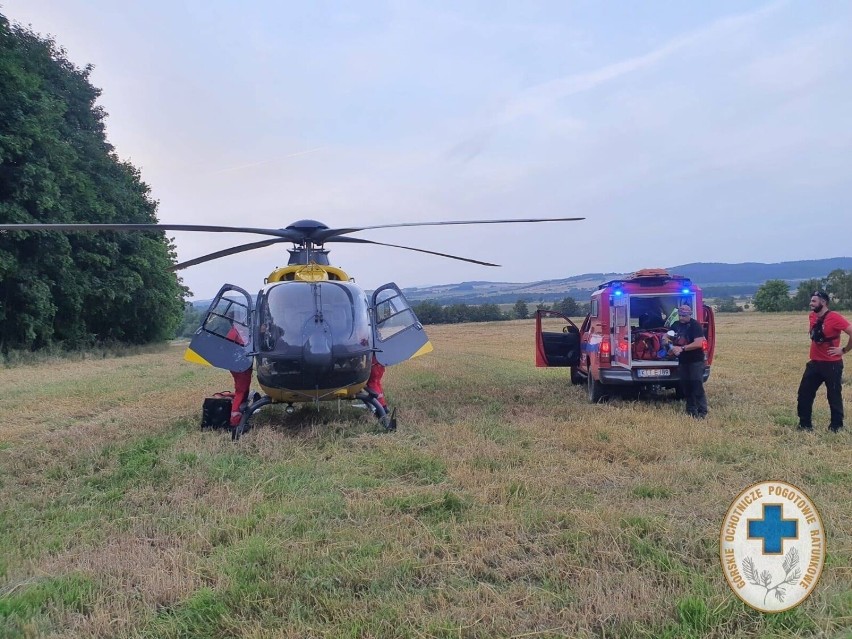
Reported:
(692, 387)
(816, 373)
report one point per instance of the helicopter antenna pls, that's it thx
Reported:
(318, 318)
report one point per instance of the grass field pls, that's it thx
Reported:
(505, 505)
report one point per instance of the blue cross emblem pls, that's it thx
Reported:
(773, 529)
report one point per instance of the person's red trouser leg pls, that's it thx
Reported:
(374, 384)
(242, 384)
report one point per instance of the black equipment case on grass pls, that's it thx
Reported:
(216, 411)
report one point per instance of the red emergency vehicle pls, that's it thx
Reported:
(624, 342)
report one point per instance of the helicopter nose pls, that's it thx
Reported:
(317, 350)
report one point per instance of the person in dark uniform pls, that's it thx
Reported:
(689, 349)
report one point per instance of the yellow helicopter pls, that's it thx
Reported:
(310, 333)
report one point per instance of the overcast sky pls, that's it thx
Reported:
(683, 132)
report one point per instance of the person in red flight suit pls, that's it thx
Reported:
(374, 387)
(374, 384)
(242, 379)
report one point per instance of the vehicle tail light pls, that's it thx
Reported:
(705, 346)
(606, 351)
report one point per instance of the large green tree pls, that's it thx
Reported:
(56, 165)
(838, 284)
(429, 312)
(568, 307)
(773, 295)
(802, 299)
(728, 305)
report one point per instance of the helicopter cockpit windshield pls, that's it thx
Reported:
(289, 312)
(313, 335)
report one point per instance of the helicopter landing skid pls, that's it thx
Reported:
(372, 402)
(388, 421)
(248, 411)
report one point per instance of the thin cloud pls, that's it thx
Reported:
(537, 100)
(261, 163)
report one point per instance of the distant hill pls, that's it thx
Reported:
(715, 279)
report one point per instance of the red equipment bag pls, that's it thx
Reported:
(646, 345)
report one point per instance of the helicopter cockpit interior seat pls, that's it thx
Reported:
(270, 336)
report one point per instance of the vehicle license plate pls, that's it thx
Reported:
(654, 372)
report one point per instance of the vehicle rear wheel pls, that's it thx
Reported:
(595, 388)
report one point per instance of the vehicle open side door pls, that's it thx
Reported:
(709, 326)
(397, 333)
(557, 340)
(224, 339)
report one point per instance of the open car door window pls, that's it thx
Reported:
(398, 334)
(557, 340)
(224, 339)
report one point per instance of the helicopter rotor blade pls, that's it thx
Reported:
(357, 240)
(302, 232)
(285, 234)
(226, 252)
(322, 235)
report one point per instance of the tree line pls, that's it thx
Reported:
(774, 295)
(432, 312)
(56, 165)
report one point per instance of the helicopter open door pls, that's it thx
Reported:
(397, 333)
(224, 339)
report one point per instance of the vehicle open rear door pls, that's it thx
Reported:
(709, 325)
(224, 339)
(398, 334)
(620, 343)
(557, 340)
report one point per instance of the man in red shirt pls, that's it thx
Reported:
(826, 362)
